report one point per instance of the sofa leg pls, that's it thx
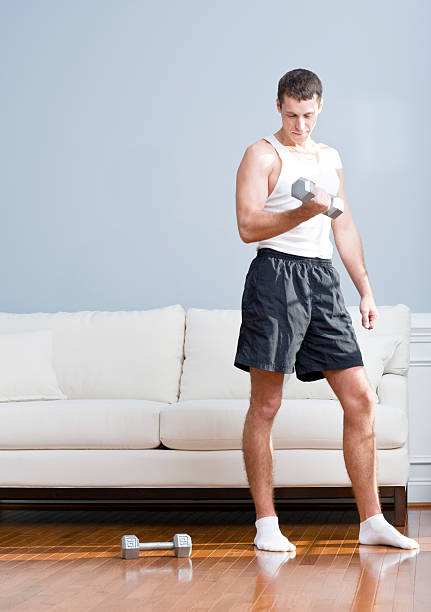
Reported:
(400, 506)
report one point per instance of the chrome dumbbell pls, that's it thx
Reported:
(181, 545)
(304, 189)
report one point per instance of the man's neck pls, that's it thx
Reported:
(304, 147)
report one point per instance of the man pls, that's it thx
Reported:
(293, 311)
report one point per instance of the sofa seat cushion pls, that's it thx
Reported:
(303, 423)
(80, 424)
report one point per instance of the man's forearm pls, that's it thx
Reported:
(349, 246)
(263, 224)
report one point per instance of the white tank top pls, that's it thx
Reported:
(310, 238)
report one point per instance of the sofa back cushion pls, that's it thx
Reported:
(133, 354)
(26, 368)
(211, 340)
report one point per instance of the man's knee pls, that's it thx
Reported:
(265, 409)
(361, 404)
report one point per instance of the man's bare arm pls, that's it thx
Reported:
(349, 245)
(255, 223)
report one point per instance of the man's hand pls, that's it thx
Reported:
(319, 204)
(369, 311)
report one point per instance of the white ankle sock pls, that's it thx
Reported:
(269, 536)
(377, 530)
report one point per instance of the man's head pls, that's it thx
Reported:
(299, 101)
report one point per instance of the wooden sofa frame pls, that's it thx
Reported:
(232, 498)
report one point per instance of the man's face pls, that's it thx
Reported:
(299, 118)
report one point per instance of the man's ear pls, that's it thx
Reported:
(321, 105)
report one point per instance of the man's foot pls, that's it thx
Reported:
(269, 536)
(377, 530)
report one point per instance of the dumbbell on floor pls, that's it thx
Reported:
(181, 545)
(303, 189)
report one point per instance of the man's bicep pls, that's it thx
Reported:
(251, 185)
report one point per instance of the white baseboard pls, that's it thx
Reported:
(419, 491)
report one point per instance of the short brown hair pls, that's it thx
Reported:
(300, 84)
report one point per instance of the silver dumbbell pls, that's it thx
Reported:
(181, 545)
(303, 189)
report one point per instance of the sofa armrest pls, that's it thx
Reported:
(392, 389)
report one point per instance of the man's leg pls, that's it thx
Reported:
(357, 399)
(265, 401)
(353, 389)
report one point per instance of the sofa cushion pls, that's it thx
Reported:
(27, 372)
(210, 345)
(300, 423)
(130, 354)
(80, 424)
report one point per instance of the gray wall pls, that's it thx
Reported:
(123, 123)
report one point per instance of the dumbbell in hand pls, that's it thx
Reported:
(181, 545)
(305, 190)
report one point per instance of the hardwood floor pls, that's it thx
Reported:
(69, 559)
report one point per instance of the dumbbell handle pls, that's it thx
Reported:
(156, 545)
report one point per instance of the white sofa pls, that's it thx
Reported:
(150, 401)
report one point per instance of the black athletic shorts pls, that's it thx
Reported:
(294, 317)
